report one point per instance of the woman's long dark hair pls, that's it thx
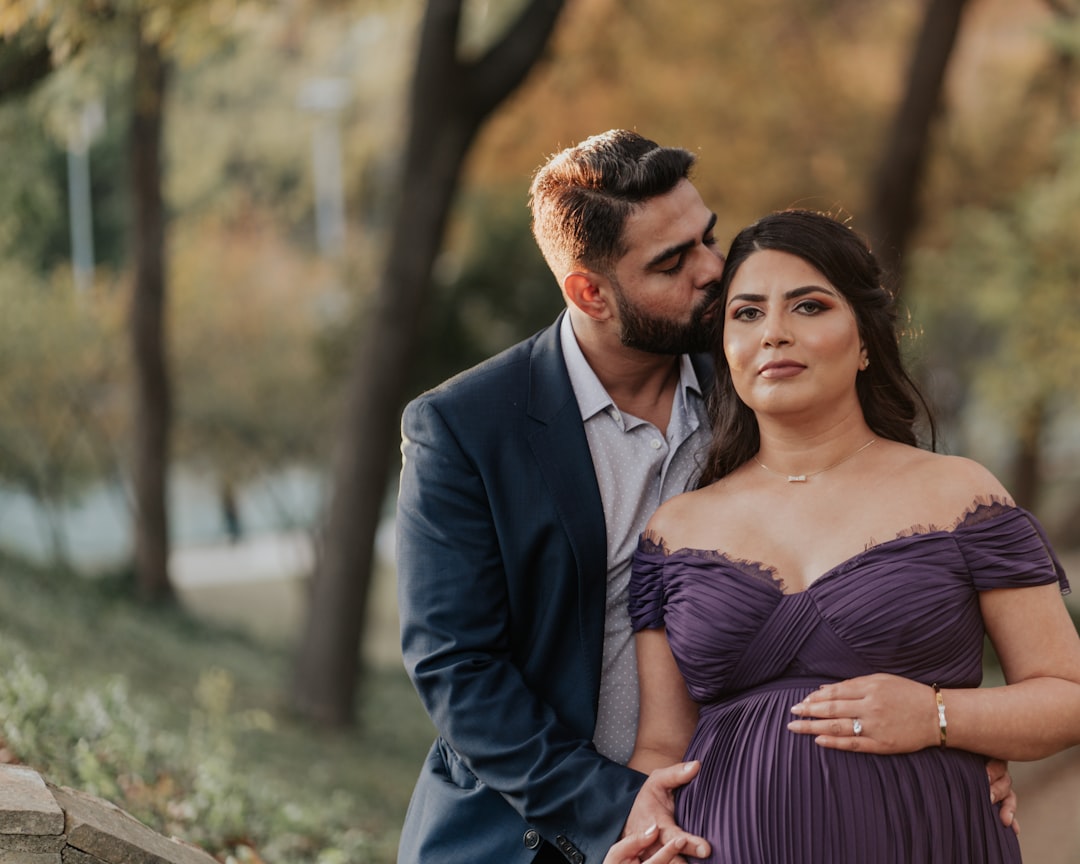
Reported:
(889, 397)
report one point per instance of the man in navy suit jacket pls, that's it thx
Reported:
(511, 489)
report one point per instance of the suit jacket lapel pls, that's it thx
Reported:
(562, 453)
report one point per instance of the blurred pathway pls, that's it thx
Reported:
(1049, 810)
(265, 557)
(258, 585)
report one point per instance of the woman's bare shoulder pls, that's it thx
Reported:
(675, 510)
(951, 484)
(957, 470)
(689, 519)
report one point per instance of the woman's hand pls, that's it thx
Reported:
(892, 715)
(872, 714)
(627, 850)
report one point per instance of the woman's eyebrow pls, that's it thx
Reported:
(788, 295)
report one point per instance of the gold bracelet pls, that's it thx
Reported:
(942, 723)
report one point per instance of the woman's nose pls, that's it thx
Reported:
(775, 331)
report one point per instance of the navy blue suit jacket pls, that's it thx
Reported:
(502, 565)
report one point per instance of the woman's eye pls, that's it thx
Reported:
(747, 313)
(811, 307)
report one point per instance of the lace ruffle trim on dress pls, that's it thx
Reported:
(652, 543)
(983, 509)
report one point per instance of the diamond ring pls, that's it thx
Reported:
(856, 727)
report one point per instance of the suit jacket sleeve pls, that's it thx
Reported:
(461, 625)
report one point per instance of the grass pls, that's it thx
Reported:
(185, 725)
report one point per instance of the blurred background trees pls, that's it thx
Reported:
(285, 133)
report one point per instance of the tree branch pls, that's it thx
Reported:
(499, 72)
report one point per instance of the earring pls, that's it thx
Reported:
(865, 363)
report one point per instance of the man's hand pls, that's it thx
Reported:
(629, 849)
(654, 809)
(1001, 790)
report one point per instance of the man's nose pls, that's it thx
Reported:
(712, 267)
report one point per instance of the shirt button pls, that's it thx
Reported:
(531, 839)
(655, 444)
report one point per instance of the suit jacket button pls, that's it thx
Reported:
(531, 839)
(569, 849)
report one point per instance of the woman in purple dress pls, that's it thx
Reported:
(811, 619)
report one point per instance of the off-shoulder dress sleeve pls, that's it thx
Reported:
(647, 585)
(1007, 547)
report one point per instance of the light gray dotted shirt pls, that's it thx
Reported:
(638, 467)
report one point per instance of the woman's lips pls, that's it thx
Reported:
(781, 369)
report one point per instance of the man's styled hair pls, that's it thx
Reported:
(581, 197)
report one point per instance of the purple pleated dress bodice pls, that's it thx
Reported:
(749, 652)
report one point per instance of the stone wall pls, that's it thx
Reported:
(45, 824)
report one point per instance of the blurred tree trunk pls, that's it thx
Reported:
(151, 398)
(449, 101)
(1025, 485)
(893, 214)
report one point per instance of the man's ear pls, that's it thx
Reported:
(584, 289)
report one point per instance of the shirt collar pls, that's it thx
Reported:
(591, 396)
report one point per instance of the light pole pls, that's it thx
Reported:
(325, 97)
(83, 131)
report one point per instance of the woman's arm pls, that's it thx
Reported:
(668, 715)
(1038, 713)
(1035, 715)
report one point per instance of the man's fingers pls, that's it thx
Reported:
(997, 773)
(1001, 789)
(689, 845)
(676, 775)
(1000, 781)
(630, 848)
(663, 782)
(668, 853)
(1008, 811)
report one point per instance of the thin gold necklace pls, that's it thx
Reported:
(802, 478)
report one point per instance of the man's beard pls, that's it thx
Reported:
(663, 335)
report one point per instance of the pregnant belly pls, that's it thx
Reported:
(767, 794)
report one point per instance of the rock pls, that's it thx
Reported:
(104, 831)
(26, 806)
